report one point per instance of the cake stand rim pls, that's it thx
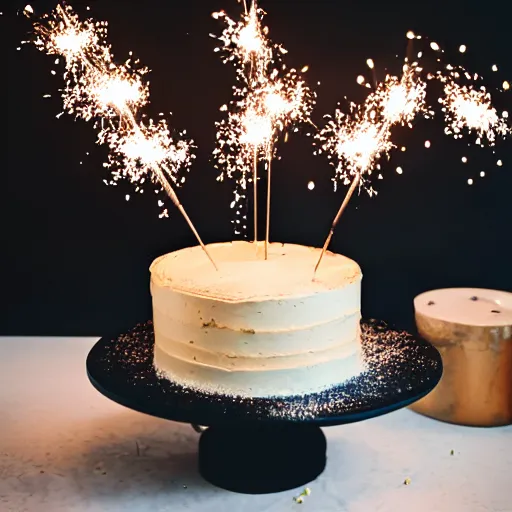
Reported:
(342, 419)
(140, 402)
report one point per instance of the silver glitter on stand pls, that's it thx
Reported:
(400, 368)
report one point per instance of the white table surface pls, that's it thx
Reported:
(65, 447)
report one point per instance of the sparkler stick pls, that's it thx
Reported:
(97, 88)
(355, 183)
(172, 194)
(255, 192)
(269, 182)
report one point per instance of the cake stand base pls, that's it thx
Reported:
(260, 459)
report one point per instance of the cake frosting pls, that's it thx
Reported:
(256, 327)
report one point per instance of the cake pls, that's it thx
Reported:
(256, 327)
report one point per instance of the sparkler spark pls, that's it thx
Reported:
(119, 92)
(403, 100)
(363, 145)
(468, 109)
(111, 94)
(250, 38)
(256, 129)
(246, 45)
(134, 152)
(65, 34)
(353, 143)
(255, 120)
(287, 100)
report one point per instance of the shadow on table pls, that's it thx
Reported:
(120, 456)
(145, 454)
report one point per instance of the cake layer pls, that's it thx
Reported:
(256, 327)
(244, 275)
(251, 356)
(273, 382)
(247, 343)
(239, 363)
(264, 314)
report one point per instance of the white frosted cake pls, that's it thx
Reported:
(256, 327)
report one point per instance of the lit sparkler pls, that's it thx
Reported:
(354, 143)
(268, 102)
(97, 88)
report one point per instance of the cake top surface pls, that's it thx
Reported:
(467, 306)
(244, 274)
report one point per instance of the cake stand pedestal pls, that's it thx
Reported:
(256, 459)
(256, 445)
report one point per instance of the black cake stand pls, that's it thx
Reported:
(262, 445)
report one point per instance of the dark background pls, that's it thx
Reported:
(75, 254)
